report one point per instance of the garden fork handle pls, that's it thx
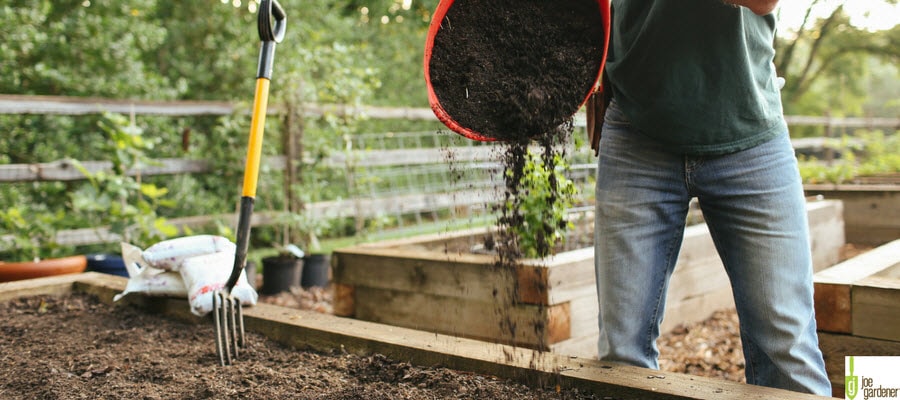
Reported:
(269, 35)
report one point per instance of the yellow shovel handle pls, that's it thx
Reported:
(257, 126)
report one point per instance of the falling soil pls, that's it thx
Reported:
(514, 69)
(75, 347)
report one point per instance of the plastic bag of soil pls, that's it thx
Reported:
(147, 280)
(205, 274)
(191, 266)
(513, 69)
(169, 254)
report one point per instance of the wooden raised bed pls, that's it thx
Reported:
(419, 283)
(858, 309)
(871, 211)
(310, 330)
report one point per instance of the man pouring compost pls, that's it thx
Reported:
(696, 112)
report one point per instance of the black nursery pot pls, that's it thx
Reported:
(316, 268)
(280, 273)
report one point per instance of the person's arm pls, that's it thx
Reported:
(759, 7)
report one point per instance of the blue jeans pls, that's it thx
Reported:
(753, 203)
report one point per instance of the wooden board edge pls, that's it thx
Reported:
(344, 300)
(302, 329)
(532, 285)
(53, 286)
(861, 266)
(833, 307)
(876, 312)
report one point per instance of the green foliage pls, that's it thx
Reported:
(543, 198)
(32, 234)
(80, 48)
(878, 154)
(119, 199)
(827, 64)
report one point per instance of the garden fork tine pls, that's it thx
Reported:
(227, 311)
(229, 320)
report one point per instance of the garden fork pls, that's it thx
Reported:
(227, 312)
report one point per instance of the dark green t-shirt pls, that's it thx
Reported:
(696, 74)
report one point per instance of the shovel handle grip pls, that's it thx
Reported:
(269, 31)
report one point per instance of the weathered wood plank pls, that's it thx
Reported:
(344, 303)
(833, 308)
(51, 285)
(393, 264)
(452, 275)
(420, 156)
(862, 266)
(871, 212)
(585, 315)
(876, 307)
(35, 104)
(64, 105)
(581, 347)
(64, 170)
(696, 308)
(523, 325)
(836, 289)
(826, 231)
(403, 204)
(570, 276)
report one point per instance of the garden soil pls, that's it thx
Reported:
(511, 70)
(75, 347)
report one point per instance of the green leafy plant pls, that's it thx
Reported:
(544, 197)
(872, 153)
(32, 234)
(311, 228)
(118, 198)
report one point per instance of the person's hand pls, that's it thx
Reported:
(759, 7)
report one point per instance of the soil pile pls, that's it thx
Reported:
(511, 70)
(75, 347)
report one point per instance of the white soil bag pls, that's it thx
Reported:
(147, 280)
(192, 266)
(169, 254)
(205, 274)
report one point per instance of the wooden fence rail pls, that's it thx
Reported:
(64, 170)
(62, 105)
(370, 207)
(31, 104)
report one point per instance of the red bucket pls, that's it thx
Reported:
(491, 64)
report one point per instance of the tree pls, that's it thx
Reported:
(825, 62)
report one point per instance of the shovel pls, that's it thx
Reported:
(227, 313)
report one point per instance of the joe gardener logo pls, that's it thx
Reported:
(871, 378)
(851, 382)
